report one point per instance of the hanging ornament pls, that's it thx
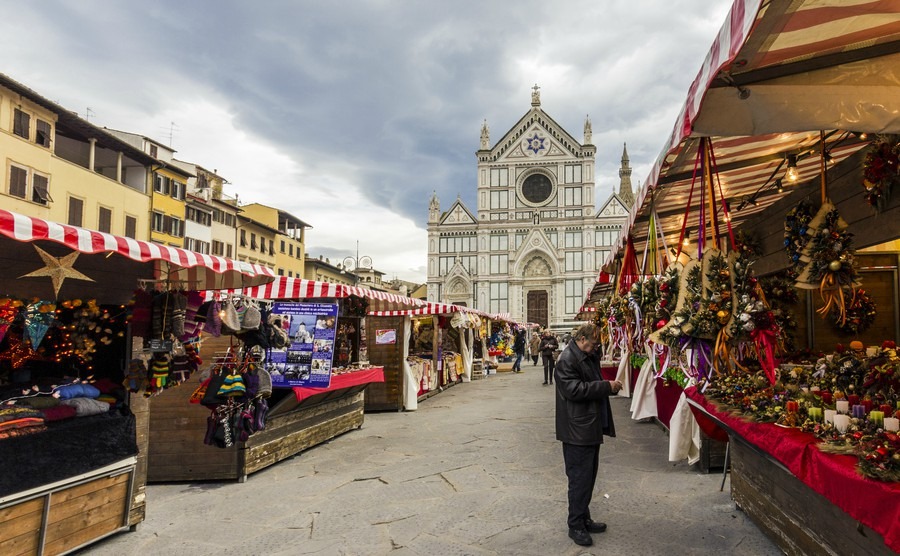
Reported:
(9, 309)
(881, 170)
(58, 269)
(39, 316)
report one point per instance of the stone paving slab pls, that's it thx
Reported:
(476, 470)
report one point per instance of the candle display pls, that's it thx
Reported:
(868, 404)
(886, 409)
(842, 406)
(877, 417)
(853, 399)
(858, 411)
(891, 424)
(842, 422)
(826, 397)
(829, 415)
(792, 406)
(815, 413)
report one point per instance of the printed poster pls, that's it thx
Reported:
(306, 361)
(388, 336)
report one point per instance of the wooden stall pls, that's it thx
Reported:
(77, 480)
(298, 418)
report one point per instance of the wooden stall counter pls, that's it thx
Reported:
(807, 501)
(300, 419)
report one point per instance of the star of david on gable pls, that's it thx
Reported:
(534, 143)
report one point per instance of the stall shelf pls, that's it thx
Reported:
(84, 478)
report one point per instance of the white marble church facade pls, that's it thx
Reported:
(533, 244)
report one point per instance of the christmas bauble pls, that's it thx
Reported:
(723, 316)
(834, 266)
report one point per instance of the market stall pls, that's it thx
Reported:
(73, 432)
(311, 339)
(777, 175)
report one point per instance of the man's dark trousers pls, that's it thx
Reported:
(581, 469)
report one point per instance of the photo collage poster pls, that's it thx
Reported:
(306, 361)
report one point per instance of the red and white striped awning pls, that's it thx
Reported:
(283, 287)
(375, 294)
(427, 309)
(777, 74)
(202, 272)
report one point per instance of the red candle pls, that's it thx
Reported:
(868, 404)
(826, 397)
(792, 407)
(853, 399)
(886, 408)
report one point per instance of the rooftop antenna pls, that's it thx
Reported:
(173, 127)
(88, 113)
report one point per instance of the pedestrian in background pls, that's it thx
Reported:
(583, 417)
(548, 345)
(534, 347)
(519, 350)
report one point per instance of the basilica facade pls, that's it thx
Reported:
(533, 244)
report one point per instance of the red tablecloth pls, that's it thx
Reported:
(346, 380)
(873, 503)
(667, 396)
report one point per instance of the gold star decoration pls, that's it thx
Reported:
(57, 268)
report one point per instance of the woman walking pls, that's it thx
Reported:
(519, 349)
(534, 347)
(548, 346)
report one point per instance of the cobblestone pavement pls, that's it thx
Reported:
(475, 471)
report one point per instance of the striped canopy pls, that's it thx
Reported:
(201, 272)
(777, 74)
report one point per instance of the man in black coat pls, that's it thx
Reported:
(583, 417)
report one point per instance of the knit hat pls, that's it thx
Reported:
(251, 319)
(136, 376)
(213, 325)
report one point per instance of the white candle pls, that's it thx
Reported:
(841, 422)
(829, 415)
(892, 424)
(843, 406)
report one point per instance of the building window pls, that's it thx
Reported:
(104, 220)
(262, 246)
(548, 214)
(178, 190)
(18, 181)
(253, 244)
(281, 272)
(499, 243)
(218, 248)
(572, 213)
(243, 238)
(228, 252)
(600, 256)
(574, 261)
(271, 247)
(22, 123)
(200, 217)
(40, 189)
(177, 227)
(229, 220)
(158, 222)
(154, 151)
(444, 265)
(42, 133)
(499, 297)
(291, 249)
(573, 174)
(606, 237)
(130, 227)
(499, 264)
(527, 215)
(499, 177)
(573, 239)
(574, 295)
(519, 239)
(76, 211)
(572, 196)
(162, 184)
(499, 199)
(196, 245)
(283, 246)
(553, 237)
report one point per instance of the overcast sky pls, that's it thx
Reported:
(349, 114)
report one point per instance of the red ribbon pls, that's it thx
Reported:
(766, 343)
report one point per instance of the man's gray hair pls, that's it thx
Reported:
(587, 331)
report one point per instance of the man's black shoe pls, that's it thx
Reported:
(581, 537)
(594, 526)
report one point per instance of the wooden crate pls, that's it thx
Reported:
(798, 519)
(67, 516)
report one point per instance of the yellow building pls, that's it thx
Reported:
(62, 168)
(285, 248)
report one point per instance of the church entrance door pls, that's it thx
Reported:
(537, 307)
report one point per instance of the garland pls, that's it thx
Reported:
(881, 170)
(796, 228)
(781, 294)
(689, 295)
(859, 317)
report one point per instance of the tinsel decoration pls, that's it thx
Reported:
(881, 170)
(831, 264)
(796, 232)
(860, 315)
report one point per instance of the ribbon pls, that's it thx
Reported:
(765, 341)
(833, 296)
(722, 351)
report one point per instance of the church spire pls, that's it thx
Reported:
(434, 208)
(625, 191)
(588, 132)
(485, 136)
(535, 95)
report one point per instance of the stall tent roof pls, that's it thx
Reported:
(200, 271)
(777, 74)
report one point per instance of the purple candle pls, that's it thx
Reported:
(859, 411)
